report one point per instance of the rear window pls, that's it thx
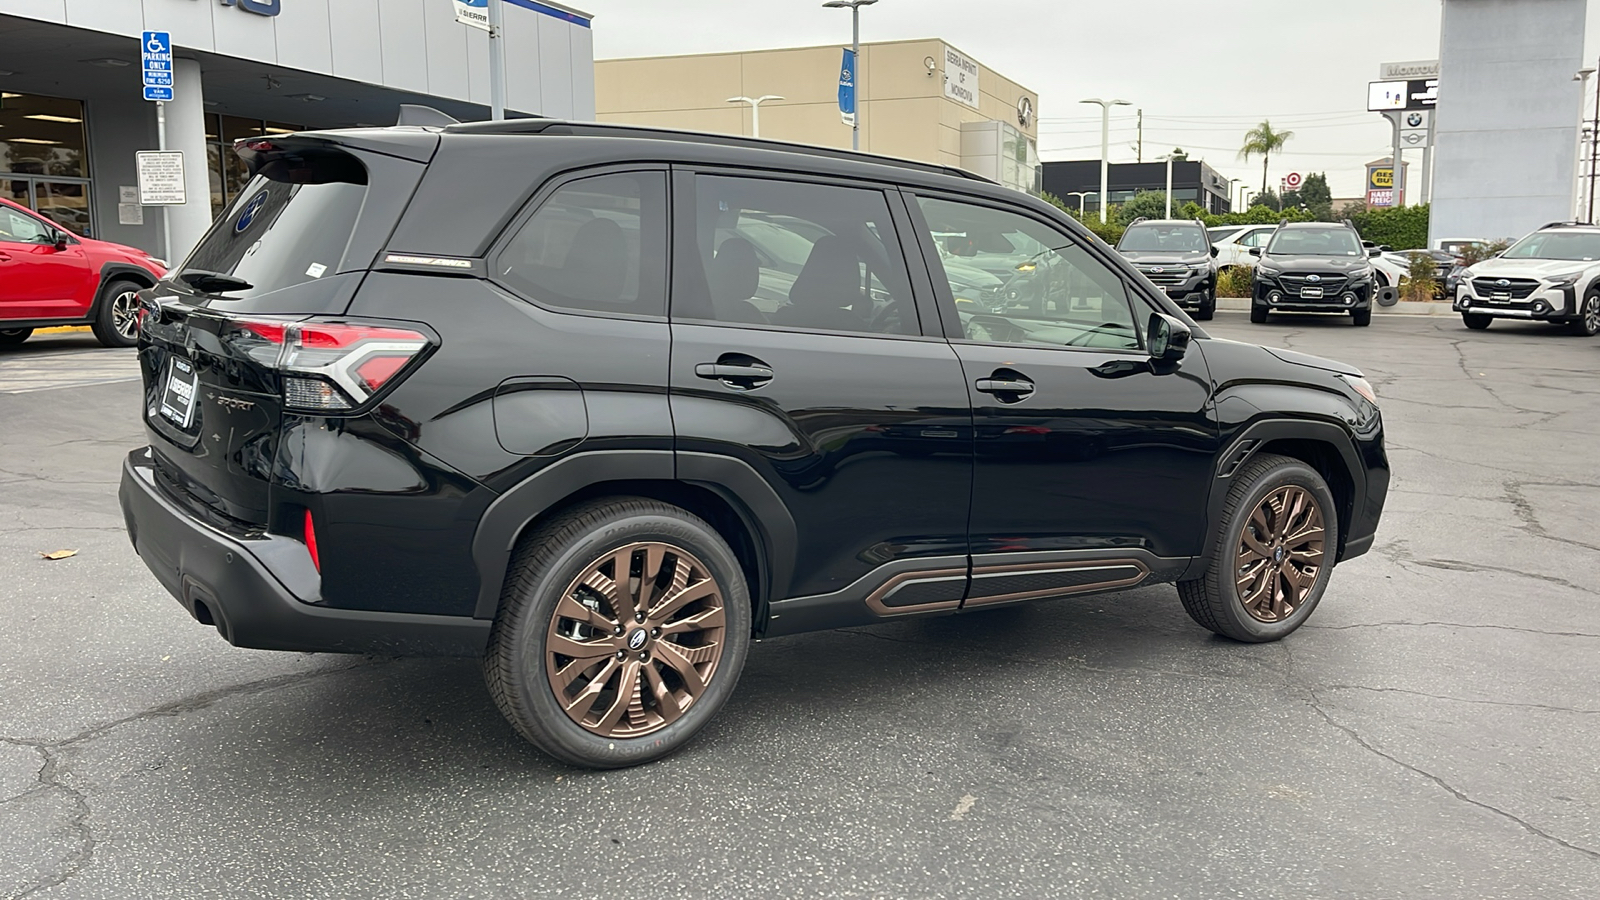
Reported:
(277, 235)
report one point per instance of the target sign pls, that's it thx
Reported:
(1293, 181)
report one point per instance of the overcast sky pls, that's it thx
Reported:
(1203, 71)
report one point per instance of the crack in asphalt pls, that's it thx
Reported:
(1523, 507)
(1315, 703)
(1507, 703)
(1456, 565)
(54, 766)
(1577, 634)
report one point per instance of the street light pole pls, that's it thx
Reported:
(855, 52)
(1080, 195)
(1583, 96)
(497, 61)
(1105, 148)
(1593, 156)
(1168, 158)
(1232, 193)
(755, 109)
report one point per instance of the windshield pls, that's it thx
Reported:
(1315, 242)
(1570, 245)
(1165, 239)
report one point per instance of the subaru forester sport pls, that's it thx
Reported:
(602, 404)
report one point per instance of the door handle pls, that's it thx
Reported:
(1004, 386)
(741, 377)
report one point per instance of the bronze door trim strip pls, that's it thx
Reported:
(1112, 573)
(906, 579)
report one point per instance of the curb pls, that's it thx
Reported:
(1403, 308)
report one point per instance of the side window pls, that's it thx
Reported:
(795, 255)
(21, 229)
(596, 245)
(1018, 281)
(1257, 238)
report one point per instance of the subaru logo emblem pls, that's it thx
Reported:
(249, 213)
(637, 638)
(1314, 279)
(1504, 282)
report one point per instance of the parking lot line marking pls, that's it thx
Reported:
(54, 371)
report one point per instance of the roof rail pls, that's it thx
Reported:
(1347, 223)
(416, 114)
(1138, 220)
(1559, 224)
(644, 132)
(1283, 221)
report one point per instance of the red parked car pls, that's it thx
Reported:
(49, 277)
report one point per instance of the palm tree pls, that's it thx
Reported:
(1265, 141)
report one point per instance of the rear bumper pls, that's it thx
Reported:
(240, 586)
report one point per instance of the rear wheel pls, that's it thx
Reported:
(1587, 324)
(1476, 321)
(10, 337)
(117, 322)
(1273, 555)
(1258, 315)
(623, 629)
(1362, 317)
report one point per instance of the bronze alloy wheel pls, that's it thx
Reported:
(1280, 553)
(635, 640)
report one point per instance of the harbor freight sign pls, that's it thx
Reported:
(156, 57)
(960, 78)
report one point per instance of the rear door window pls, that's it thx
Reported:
(277, 235)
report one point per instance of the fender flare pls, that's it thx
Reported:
(110, 272)
(739, 485)
(1248, 442)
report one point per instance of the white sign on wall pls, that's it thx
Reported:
(473, 12)
(960, 78)
(161, 177)
(1409, 71)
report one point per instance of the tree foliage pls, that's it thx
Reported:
(1263, 141)
(1403, 228)
(1144, 205)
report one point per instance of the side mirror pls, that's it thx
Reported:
(1375, 252)
(1386, 248)
(61, 240)
(1168, 338)
(1255, 251)
(1214, 251)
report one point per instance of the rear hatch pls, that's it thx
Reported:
(254, 311)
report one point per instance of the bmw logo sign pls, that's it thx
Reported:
(1414, 120)
(251, 210)
(1314, 279)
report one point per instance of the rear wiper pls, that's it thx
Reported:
(213, 282)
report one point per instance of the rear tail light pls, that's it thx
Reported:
(328, 366)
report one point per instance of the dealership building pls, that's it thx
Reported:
(72, 113)
(924, 100)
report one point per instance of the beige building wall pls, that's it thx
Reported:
(905, 112)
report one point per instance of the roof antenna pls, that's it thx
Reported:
(415, 114)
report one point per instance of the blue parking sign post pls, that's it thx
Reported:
(155, 57)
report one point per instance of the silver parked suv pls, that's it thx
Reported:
(1552, 275)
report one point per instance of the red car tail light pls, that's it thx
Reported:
(329, 366)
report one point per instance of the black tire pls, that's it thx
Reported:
(542, 572)
(1208, 307)
(1476, 321)
(1214, 600)
(10, 337)
(115, 323)
(1362, 317)
(1258, 315)
(1587, 324)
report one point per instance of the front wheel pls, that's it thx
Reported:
(1258, 315)
(1362, 317)
(117, 322)
(622, 630)
(1208, 307)
(10, 337)
(1587, 324)
(1476, 321)
(1272, 556)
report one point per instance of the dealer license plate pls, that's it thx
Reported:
(177, 399)
(1311, 293)
(1499, 298)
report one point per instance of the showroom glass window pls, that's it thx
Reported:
(43, 160)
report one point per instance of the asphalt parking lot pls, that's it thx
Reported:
(1430, 733)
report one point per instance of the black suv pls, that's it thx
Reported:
(1177, 256)
(1313, 267)
(601, 404)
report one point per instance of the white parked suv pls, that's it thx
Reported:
(1233, 243)
(1549, 276)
